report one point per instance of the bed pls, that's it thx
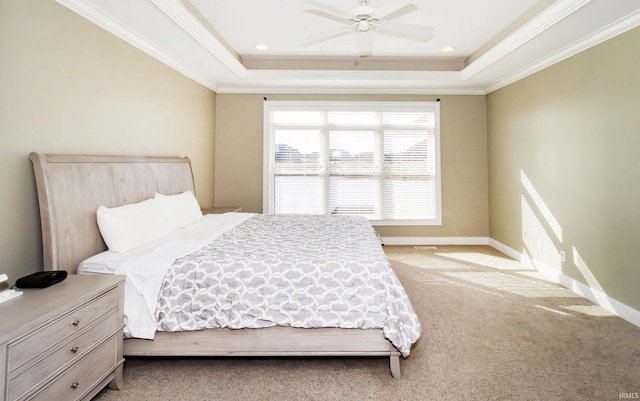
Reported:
(72, 187)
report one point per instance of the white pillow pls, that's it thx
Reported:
(133, 225)
(180, 209)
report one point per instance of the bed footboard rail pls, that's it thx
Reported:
(269, 342)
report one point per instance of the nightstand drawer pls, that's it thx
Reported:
(30, 347)
(74, 349)
(81, 378)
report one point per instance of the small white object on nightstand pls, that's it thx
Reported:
(7, 294)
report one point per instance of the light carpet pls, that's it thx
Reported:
(492, 330)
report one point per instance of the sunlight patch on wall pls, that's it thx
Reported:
(536, 240)
(598, 292)
(542, 207)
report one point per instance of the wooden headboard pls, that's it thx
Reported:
(72, 187)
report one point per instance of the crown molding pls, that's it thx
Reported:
(621, 26)
(352, 82)
(179, 15)
(549, 17)
(350, 90)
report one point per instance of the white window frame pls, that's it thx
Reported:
(269, 150)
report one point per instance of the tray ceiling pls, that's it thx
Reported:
(496, 41)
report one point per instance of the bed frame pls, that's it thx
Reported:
(70, 190)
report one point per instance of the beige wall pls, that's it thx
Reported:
(67, 86)
(564, 167)
(238, 166)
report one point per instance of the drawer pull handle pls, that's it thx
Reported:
(74, 349)
(75, 385)
(75, 322)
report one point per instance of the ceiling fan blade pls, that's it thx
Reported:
(415, 32)
(326, 35)
(325, 14)
(399, 12)
(364, 43)
(329, 9)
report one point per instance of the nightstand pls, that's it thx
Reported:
(63, 342)
(220, 210)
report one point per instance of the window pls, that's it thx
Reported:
(377, 159)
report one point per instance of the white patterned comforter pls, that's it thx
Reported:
(299, 271)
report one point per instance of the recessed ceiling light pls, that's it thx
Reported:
(448, 49)
(261, 47)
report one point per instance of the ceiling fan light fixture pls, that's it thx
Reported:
(364, 25)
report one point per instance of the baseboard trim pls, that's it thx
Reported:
(435, 240)
(598, 297)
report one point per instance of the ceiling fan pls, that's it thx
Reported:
(361, 20)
